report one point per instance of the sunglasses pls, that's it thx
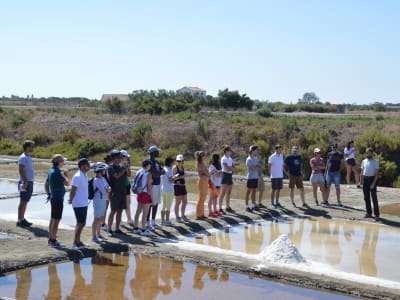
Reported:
(178, 161)
(318, 153)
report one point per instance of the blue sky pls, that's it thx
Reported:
(346, 51)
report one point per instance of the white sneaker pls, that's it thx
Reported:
(179, 220)
(168, 223)
(146, 232)
(155, 224)
(104, 227)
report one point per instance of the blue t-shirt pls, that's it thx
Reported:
(293, 162)
(56, 184)
(26, 161)
(155, 171)
(334, 160)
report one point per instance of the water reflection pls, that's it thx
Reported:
(361, 248)
(129, 276)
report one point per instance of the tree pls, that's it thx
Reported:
(309, 98)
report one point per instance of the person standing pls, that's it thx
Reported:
(252, 166)
(126, 161)
(101, 190)
(25, 183)
(228, 167)
(144, 198)
(167, 191)
(293, 166)
(117, 180)
(317, 178)
(215, 171)
(78, 197)
(350, 155)
(156, 172)
(180, 191)
(261, 183)
(57, 179)
(334, 166)
(202, 183)
(369, 176)
(275, 167)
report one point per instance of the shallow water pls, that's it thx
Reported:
(353, 247)
(128, 276)
(390, 209)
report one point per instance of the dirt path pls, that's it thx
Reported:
(28, 247)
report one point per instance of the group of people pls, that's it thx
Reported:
(155, 184)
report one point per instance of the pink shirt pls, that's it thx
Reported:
(317, 162)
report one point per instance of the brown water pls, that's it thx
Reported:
(354, 247)
(129, 276)
(391, 209)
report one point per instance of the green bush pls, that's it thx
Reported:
(90, 147)
(264, 112)
(139, 133)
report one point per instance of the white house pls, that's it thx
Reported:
(192, 90)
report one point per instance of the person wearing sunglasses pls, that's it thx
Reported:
(317, 178)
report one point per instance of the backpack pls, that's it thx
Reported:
(136, 184)
(91, 189)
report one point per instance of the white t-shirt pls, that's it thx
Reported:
(80, 181)
(167, 186)
(100, 186)
(276, 161)
(143, 183)
(349, 152)
(228, 161)
(216, 180)
(369, 166)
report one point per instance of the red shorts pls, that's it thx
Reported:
(144, 198)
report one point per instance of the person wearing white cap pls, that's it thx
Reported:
(317, 178)
(101, 190)
(56, 181)
(293, 165)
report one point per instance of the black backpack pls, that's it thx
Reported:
(91, 189)
(136, 184)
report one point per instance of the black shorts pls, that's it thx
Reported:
(277, 183)
(117, 201)
(252, 183)
(128, 189)
(351, 161)
(180, 190)
(80, 214)
(227, 178)
(57, 207)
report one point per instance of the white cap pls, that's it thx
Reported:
(317, 150)
(125, 153)
(179, 157)
(295, 148)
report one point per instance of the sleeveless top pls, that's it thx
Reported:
(181, 172)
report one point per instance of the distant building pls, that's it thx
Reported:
(122, 97)
(192, 90)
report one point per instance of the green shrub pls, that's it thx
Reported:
(41, 138)
(264, 112)
(203, 130)
(90, 147)
(139, 133)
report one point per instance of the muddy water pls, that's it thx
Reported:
(391, 209)
(353, 247)
(128, 276)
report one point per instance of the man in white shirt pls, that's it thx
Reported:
(369, 178)
(78, 197)
(275, 167)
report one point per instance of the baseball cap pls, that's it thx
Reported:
(125, 153)
(83, 161)
(179, 157)
(115, 153)
(369, 150)
(317, 150)
(58, 158)
(295, 148)
(146, 162)
(153, 149)
(252, 148)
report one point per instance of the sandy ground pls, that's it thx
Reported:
(28, 247)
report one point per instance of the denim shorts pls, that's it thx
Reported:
(317, 178)
(333, 177)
